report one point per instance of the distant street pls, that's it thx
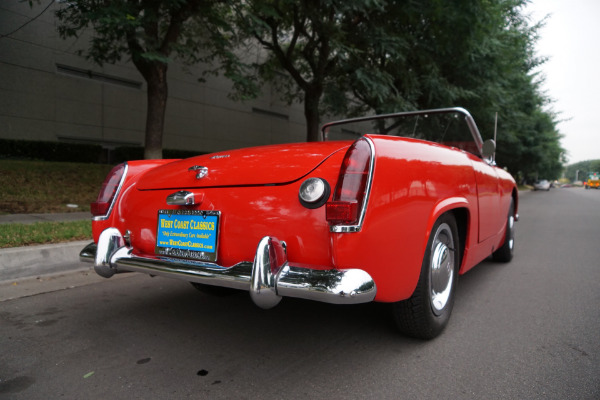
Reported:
(525, 330)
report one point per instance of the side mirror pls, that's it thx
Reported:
(488, 149)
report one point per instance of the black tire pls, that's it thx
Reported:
(211, 290)
(506, 252)
(427, 312)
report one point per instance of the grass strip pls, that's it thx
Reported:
(17, 235)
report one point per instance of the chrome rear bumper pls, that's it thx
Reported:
(268, 278)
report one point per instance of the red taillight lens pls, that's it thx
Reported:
(351, 187)
(108, 191)
(342, 212)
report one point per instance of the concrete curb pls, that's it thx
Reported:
(31, 261)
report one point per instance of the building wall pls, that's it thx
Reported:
(48, 92)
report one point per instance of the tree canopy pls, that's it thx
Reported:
(581, 170)
(345, 57)
(359, 56)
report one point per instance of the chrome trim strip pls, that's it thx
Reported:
(357, 227)
(470, 121)
(267, 279)
(105, 217)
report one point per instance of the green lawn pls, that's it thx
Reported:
(17, 235)
(47, 187)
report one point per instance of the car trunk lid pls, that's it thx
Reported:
(266, 165)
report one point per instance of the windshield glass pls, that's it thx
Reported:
(450, 127)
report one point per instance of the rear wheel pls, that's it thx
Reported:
(505, 253)
(426, 313)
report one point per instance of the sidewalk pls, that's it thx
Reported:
(31, 261)
(32, 218)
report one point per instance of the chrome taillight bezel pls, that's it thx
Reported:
(115, 196)
(346, 228)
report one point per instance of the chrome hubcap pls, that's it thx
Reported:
(442, 268)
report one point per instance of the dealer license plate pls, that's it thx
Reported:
(190, 234)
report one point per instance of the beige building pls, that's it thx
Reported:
(49, 93)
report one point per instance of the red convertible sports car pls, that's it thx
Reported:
(389, 208)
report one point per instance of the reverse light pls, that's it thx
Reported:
(350, 195)
(110, 188)
(314, 192)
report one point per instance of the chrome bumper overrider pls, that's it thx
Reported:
(269, 278)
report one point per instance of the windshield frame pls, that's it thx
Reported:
(468, 118)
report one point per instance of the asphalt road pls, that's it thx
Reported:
(525, 330)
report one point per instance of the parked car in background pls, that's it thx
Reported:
(388, 208)
(541, 185)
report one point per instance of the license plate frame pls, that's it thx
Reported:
(188, 234)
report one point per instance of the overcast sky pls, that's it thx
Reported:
(571, 40)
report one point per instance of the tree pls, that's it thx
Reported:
(581, 170)
(309, 41)
(149, 32)
(474, 54)
(357, 57)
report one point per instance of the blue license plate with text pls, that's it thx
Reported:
(189, 234)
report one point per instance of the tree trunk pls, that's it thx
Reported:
(157, 104)
(311, 113)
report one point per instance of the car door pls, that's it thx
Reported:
(488, 196)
